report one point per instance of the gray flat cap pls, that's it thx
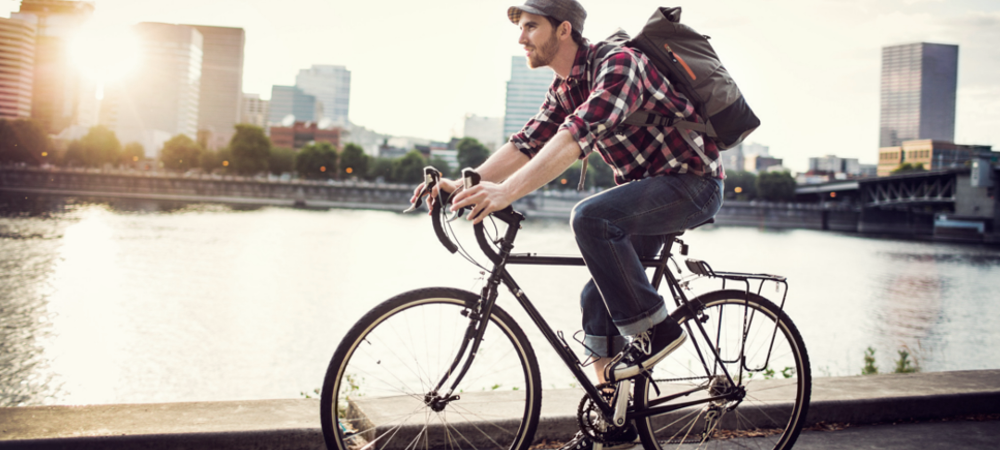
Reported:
(562, 10)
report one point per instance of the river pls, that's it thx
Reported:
(105, 301)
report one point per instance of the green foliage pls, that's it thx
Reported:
(904, 364)
(251, 149)
(870, 368)
(133, 152)
(380, 167)
(439, 163)
(219, 160)
(471, 153)
(409, 168)
(181, 153)
(907, 167)
(353, 161)
(776, 186)
(24, 141)
(98, 147)
(742, 181)
(599, 174)
(317, 161)
(281, 160)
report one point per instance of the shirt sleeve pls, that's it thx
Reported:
(617, 90)
(541, 127)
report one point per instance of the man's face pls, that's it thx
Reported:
(539, 40)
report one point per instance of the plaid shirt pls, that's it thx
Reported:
(593, 110)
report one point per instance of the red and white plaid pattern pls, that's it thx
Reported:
(593, 108)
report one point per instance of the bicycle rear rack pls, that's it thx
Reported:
(702, 268)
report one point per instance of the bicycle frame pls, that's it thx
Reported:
(499, 275)
(480, 313)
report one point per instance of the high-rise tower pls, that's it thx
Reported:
(221, 83)
(331, 85)
(919, 83)
(525, 94)
(56, 91)
(17, 68)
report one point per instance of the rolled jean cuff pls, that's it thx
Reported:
(644, 322)
(598, 345)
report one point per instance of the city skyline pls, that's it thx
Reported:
(439, 66)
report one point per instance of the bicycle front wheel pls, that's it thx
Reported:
(766, 390)
(381, 388)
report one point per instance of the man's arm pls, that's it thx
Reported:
(558, 154)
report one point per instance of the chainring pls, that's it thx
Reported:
(591, 419)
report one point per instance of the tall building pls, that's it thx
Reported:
(253, 110)
(17, 68)
(331, 85)
(56, 91)
(291, 101)
(221, 83)
(919, 83)
(831, 164)
(160, 99)
(525, 94)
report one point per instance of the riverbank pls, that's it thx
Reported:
(294, 424)
(552, 204)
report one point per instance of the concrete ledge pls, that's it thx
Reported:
(294, 424)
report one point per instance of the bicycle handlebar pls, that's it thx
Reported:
(432, 177)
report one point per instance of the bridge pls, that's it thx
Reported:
(912, 189)
(948, 202)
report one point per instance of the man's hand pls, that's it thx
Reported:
(446, 184)
(485, 198)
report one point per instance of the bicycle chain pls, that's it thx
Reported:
(590, 418)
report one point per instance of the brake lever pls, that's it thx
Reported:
(431, 178)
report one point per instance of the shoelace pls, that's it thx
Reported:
(643, 342)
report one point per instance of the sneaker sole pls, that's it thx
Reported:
(631, 371)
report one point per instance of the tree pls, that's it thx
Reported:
(251, 149)
(380, 168)
(354, 161)
(24, 141)
(317, 161)
(181, 153)
(441, 164)
(599, 173)
(98, 147)
(471, 153)
(740, 185)
(776, 186)
(907, 167)
(217, 160)
(282, 160)
(409, 168)
(133, 152)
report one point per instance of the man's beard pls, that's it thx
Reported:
(543, 55)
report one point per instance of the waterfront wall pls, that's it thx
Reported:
(359, 194)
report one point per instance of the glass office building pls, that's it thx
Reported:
(525, 94)
(919, 83)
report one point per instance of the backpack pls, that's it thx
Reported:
(688, 61)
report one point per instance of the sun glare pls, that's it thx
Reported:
(105, 53)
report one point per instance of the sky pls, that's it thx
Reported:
(809, 68)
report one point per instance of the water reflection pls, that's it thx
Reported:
(136, 301)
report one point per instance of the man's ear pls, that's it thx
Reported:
(565, 29)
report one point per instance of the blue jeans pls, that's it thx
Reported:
(616, 228)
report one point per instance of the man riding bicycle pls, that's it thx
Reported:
(666, 181)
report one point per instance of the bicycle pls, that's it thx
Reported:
(447, 368)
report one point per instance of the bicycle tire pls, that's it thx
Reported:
(776, 378)
(374, 389)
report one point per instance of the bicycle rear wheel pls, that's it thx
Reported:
(379, 388)
(764, 354)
